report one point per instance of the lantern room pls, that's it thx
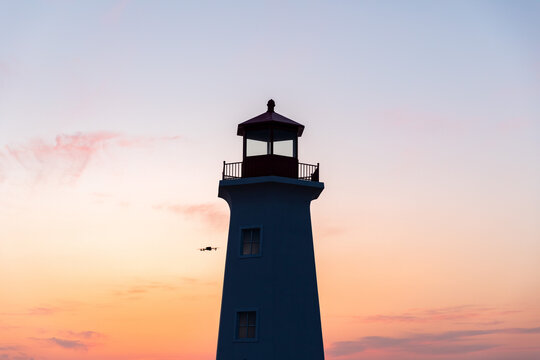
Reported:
(270, 144)
(270, 147)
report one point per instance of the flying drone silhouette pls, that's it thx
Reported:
(208, 248)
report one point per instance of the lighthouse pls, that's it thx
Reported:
(270, 302)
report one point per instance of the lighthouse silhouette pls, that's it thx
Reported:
(270, 303)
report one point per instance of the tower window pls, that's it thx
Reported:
(246, 325)
(251, 242)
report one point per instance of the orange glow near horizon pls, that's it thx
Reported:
(118, 274)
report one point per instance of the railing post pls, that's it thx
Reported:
(315, 175)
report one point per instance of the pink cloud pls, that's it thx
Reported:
(83, 334)
(146, 288)
(432, 344)
(142, 288)
(35, 311)
(463, 312)
(113, 15)
(7, 68)
(514, 124)
(9, 348)
(101, 195)
(2, 174)
(42, 311)
(329, 231)
(209, 213)
(14, 352)
(68, 344)
(68, 155)
(72, 340)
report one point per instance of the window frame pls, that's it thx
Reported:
(236, 324)
(241, 242)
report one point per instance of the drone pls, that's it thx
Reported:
(208, 248)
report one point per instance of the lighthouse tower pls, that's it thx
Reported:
(270, 303)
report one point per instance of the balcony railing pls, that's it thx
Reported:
(232, 170)
(307, 172)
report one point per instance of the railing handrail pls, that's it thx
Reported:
(307, 172)
(232, 170)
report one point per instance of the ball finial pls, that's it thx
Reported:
(271, 105)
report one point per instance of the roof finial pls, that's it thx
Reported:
(271, 105)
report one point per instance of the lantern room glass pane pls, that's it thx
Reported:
(258, 142)
(284, 148)
(285, 142)
(256, 147)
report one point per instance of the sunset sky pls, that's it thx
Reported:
(116, 117)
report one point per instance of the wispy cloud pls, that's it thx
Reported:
(514, 124)
(143, 287)
(18, 355)
(68, 344)
(68, 154)
(146, 287)
(445, 343)
(40, 310)
(209, 213)
(67, 157)
(83, 334)
(113, 14)
(463, 312)
(14, 352)
(35, 311)
(72, 340)
(325, 230)
(9, 348)
(102, 195)
(3, 158)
